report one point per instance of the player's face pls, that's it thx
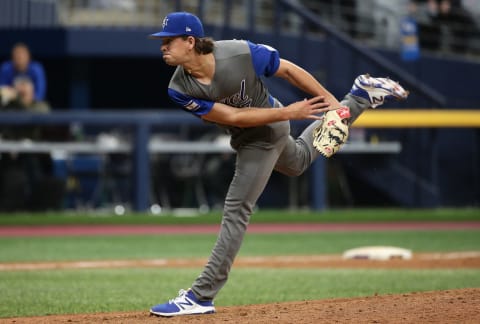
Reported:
(175, 50)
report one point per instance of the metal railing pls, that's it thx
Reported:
(29, 14)
(140, 144)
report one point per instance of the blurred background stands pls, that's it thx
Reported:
(96, 54)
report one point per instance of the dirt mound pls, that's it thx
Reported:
(450, 306)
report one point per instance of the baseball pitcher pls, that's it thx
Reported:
(220, 82)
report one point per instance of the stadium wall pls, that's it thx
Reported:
(103, 68)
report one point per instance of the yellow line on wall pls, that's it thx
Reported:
(418, 118)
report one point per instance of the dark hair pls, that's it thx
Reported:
(203, 45)
(21, 45)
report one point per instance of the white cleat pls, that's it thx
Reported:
(377, 90)
(185, 304)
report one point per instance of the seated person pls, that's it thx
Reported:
(22, 65)
(26, 179)
(21, 98)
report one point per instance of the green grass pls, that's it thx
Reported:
(262, 216)
(104, 290)
(179, 246)
(28, 293)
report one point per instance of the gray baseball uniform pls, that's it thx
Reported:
(260, 150)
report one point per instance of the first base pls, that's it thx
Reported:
(378, 253)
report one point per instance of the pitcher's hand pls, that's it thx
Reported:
(308, 109)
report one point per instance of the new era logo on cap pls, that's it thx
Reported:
(180, 24)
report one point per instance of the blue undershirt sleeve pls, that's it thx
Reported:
(4, 74)
(193, 105)
(265, 59)
(39, 81)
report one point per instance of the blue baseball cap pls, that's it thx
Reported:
(180, 24)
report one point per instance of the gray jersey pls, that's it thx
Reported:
(237, 82)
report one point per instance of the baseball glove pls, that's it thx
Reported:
(333, 133)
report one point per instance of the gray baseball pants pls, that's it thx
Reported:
(254, 165)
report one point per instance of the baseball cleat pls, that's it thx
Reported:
(333, 132)
(377, 90)
(185, 304)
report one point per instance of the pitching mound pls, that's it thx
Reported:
(451, 306)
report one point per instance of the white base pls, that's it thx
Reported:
(378, 253)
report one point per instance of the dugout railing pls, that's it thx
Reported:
(141, 123)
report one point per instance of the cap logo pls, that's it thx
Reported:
(179, 24)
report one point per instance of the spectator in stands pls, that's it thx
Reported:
(429, 33)
(26, 179)
(458, 22)
(21, 64)
(342, 12)
(349, 16)
(444, 25)
(21, 97)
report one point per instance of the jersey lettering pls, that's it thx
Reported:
(239, 99)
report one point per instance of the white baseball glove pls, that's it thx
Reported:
(333, 133)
